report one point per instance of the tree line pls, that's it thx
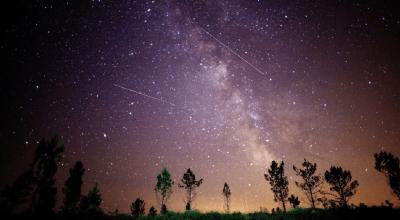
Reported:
(34, 192)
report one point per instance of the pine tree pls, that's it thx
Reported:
(341, 185)
(311, 183)
(389, 165)
(190, 184)
(279, 183)
(72, 188)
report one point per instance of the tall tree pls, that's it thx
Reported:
(279, 183)
(389, 165)
(72, 188)
(47, 157)
(138, 207)
(311, 182)
(341, 185)
(226, 192)
(190, 184)
(294, 201)
(163, 188)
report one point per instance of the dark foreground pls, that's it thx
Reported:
(379, 213)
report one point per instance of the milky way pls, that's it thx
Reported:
(221, 87)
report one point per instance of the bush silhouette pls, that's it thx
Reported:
(91, 203)
(138, 207)
(94, 197)
(163, 209)
(294, 201)
(279, 183)
(152, 211)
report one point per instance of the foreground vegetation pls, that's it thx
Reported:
(34, 193)
(298, 213)
(361, 212)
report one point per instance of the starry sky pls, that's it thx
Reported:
(221, 87)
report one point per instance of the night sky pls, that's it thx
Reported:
(221, 87)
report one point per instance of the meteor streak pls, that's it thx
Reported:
(232, 51)
(145, 95)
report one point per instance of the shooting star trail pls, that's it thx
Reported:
(145, 95)
(233, 52)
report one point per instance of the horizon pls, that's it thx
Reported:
(220, 87)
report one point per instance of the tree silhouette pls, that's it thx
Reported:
(37, 183)
(152, 211)
(94, 197)
(163, 209)
(45, 164)
(190, 183)
(92, 201)
(311, 182)
(72, 188)
(341, 185)
(279, 183)
(226, 192)
(389, 165)
(137, 207)
(12, 197)
(163, 188)
(294, 201)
